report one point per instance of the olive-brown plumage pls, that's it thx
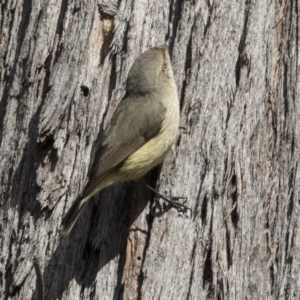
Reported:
(140, 132)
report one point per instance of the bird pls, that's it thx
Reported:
(139, 134)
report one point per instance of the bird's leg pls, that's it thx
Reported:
(172, 200)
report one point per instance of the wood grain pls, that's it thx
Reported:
(63, 67)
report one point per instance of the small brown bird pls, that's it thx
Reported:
(139, 134)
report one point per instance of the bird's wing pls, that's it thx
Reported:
(130, 127)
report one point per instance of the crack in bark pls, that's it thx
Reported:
(208, 23)
(193, 265)
(150, 219)
(39, 280)
(242, 56)
(187, 67)
(174, 19)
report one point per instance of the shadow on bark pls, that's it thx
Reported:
(99, 236)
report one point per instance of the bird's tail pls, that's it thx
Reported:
(72, 215)
(90, 190)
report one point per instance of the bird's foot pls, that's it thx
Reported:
(172, 200)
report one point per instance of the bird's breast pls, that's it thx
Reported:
(154, 151)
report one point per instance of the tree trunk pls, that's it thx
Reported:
(63, 70)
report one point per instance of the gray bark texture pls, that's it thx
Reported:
(63, 69)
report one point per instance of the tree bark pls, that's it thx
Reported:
(63, 70)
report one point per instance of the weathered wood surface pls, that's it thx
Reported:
(63, 69)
